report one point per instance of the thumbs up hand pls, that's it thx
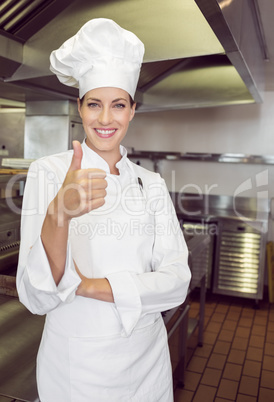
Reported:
(83, 189)
(77, 156)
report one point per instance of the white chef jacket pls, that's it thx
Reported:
(93, 350)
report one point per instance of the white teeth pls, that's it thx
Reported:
(105, 131)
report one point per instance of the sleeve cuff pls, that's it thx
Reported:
(126, 299)
(41, 278)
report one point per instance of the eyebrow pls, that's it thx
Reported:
(119, 99)
(114, 100)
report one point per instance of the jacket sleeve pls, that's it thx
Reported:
(167, 284)
(35, 284)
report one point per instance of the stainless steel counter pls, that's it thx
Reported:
(212, 207)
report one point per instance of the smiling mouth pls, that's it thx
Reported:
(105, 133)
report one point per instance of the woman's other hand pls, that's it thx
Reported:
(94, 288)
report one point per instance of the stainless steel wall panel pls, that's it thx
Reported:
(50, 127)
(52, 108)
(45, 135)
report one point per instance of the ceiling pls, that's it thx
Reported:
(199, 53)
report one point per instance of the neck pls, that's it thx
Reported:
(110, 157)
(114, 170)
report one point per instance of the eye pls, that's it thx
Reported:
(93, 104)
(119, 105)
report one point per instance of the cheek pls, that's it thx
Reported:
(87, 118)
(128, 118)
(126, 123)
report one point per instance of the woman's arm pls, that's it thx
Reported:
(54, 238)
(82, 191)
(36, 287)
(46, 273)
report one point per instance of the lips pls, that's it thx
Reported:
(105, 133)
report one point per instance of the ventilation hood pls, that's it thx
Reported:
(199, 53)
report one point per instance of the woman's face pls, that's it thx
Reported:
(106, 113)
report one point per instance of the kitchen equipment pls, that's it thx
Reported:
(204, 260)
(240, 258)
(240, 226)
(9, 235)
(180, 69)
(180, 327)
(20, 338)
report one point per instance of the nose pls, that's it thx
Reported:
(105, 116)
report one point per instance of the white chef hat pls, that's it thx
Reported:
(101, 54)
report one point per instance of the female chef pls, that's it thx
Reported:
(102, 253)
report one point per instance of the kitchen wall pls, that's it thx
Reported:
(245, 129)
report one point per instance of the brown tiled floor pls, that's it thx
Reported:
(236, 361)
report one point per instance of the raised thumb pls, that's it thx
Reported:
(77, 156)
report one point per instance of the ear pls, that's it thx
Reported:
(132, 113)
(79, 107)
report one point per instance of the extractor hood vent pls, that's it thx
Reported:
(199, 53)
(21, 19)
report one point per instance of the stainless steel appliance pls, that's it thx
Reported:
(179, 71)
(239, 227)
(203, 260)
(20, 338)
(9, 236)
(240, 258)
(181, 327)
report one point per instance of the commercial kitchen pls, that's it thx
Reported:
(204, 120)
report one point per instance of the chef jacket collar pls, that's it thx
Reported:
(92, 159)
